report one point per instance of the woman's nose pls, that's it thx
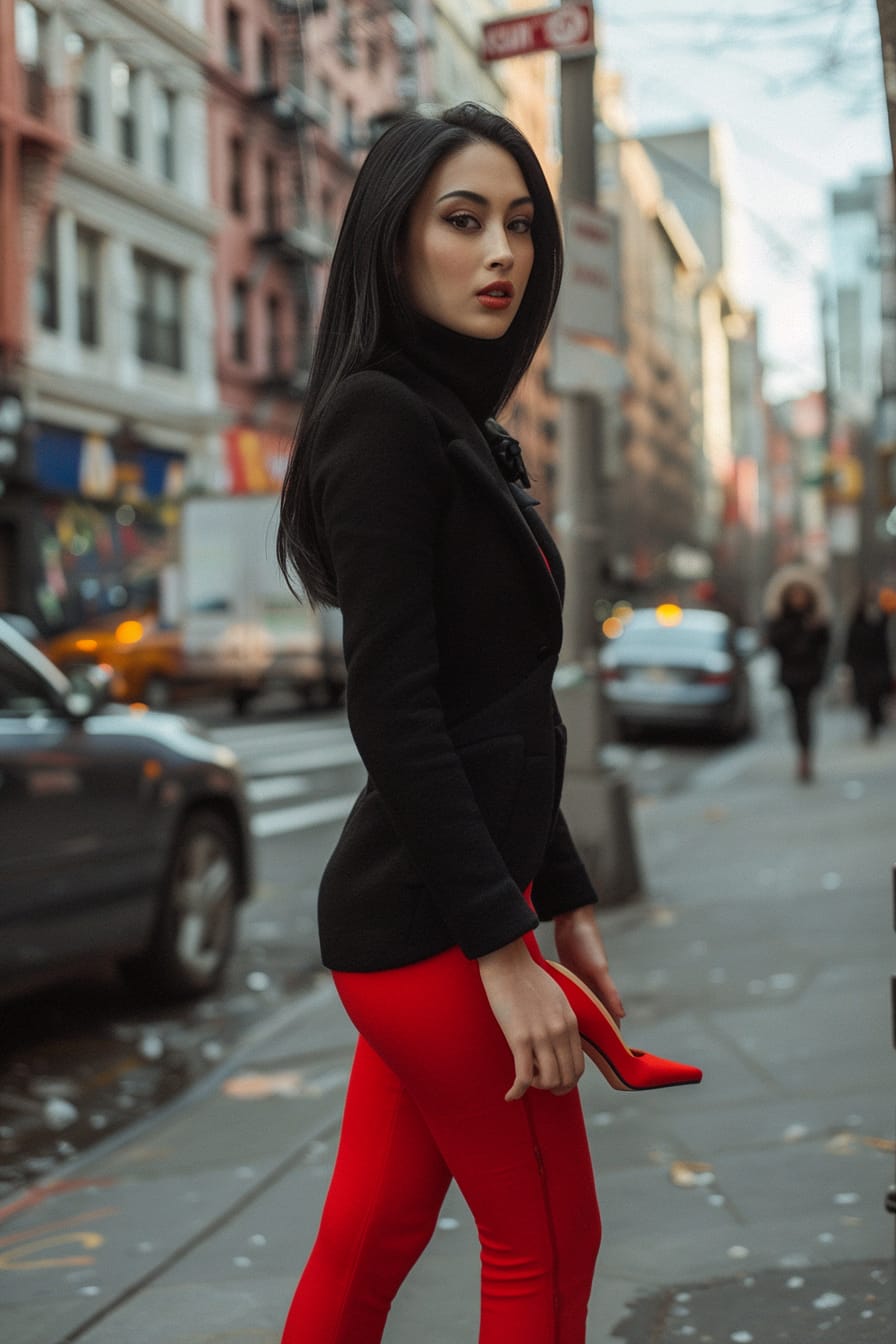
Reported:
(500, 253)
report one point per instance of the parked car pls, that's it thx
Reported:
(123, 835)
(674, 667)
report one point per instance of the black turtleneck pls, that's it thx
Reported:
(476, 370)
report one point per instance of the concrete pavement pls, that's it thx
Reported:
(748, 1209)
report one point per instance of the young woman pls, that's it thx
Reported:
(799, 632)
(404, 505)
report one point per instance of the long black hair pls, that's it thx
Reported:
(365, 295)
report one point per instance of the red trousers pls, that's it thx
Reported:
(425, 1104)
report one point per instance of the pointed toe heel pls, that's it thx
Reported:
(624, 1069)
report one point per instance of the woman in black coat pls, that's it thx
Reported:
(408, 508)
(800, 635)
(868, 656)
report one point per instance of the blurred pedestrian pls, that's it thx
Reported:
(406, 505)
(868, 657)
(797, 608)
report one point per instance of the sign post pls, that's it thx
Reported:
(595, 799)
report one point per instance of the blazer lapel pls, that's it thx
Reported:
(526, 504)
(513, 505)
(517, 510)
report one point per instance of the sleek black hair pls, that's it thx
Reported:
(365, 297)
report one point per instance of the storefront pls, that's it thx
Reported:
(87, 525)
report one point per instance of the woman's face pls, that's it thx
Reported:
(469, 249)
(799, 597)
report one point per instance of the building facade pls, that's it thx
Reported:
(654, 439)
(116, 371)
(695, 169)
(861, 487)
(297, 93)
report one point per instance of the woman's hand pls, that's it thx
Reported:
(538, 1023)
(580, 948)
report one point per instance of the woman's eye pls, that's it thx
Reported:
(521, 225)
(463, 221)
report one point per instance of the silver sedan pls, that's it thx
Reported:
(676, 668)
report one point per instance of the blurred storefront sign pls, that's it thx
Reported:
(843, 480)
(588, 321)
(255, 460)
(90, 466)
(843, 529)
(89, 521)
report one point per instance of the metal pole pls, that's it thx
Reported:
(595, 799)
(580, 440)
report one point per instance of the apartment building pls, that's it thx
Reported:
(297, 93)
(116, 370)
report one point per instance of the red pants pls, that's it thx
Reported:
(425, 1104)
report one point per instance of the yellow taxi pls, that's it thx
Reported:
(145, 659)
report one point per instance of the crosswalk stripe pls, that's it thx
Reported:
(303, 816)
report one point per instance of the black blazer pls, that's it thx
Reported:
(451, 628)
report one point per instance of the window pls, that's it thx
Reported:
(236, 191)
(239, 296)
(88, 246)
(273, 334)
(27, 33)
(348, 125)
(164, 126)
(80, 59)
(123, 110)
(266, 63)
(234, 24)
(271, 203)
(159, 312)
(30, 36)
(45, 285)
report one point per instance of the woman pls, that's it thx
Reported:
(403, 505)
(868, 657)
(799, 632)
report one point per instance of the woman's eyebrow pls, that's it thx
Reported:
(483, 200)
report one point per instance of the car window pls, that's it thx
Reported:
(22, 690)
(678, 638)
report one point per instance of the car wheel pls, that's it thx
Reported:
(241, 699)
(196, 922)
(157, 691)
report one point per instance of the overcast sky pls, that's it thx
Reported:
(800, 86)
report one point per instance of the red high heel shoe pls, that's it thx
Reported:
(626, 1070)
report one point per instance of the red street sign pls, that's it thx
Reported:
(569, 28)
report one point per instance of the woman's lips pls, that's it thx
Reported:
(496, 300)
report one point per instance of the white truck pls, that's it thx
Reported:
(240, 625)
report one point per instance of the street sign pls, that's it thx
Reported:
(569, 29)
(588, 321)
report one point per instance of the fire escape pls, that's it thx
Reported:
(301, 242)
(33, 143)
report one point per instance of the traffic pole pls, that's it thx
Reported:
(595, 798)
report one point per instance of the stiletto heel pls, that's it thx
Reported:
(626, 1070)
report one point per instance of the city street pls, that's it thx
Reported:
(750, 1209)
(87, 1060)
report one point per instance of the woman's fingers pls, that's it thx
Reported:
(537, 1022)
(554, 1064)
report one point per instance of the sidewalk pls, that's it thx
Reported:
(748, 1209)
